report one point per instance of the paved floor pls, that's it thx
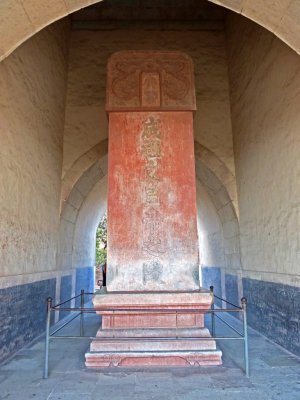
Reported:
(275, 374)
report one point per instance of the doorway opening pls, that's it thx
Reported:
(101, 253)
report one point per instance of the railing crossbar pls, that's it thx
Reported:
(66, 301)
(228, 302)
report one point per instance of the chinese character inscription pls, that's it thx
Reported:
(153, 243)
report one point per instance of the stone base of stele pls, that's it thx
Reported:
(146, 329)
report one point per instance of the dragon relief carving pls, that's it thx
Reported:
(143, 80)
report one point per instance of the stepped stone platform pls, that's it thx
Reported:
(152, 329)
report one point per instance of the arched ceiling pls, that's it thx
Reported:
(82, 164)
(21, 19)
(91, 213)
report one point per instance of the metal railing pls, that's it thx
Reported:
(236, 309)
(213, 311)
(50, 308)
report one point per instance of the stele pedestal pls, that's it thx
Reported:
(149, 310)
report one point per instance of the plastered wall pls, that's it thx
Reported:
(32, 103)
(265, 102)
(210, 233)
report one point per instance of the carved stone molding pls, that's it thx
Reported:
(150, 80)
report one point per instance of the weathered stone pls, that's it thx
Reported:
(144, 320)
(152, 233)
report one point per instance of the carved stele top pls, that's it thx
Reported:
(150, 80)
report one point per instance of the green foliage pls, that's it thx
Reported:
(101, 240)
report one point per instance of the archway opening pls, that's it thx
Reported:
(101, 253)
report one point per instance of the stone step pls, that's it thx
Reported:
(154, 333)
(152, 344)
(152, 329)
(154, 359)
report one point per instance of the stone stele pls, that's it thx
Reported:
(152, 310)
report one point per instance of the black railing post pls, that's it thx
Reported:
(212, 314)
(48, 321)
(246, 349)
(81, 312)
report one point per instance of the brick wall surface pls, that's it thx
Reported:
(23, 314)
(274, 310)
(65, 294)
(231, 287)
(211, 276)
(84, 280)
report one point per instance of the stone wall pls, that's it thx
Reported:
(274, 309)
(265, 97)
(32, 104)
(23, 314)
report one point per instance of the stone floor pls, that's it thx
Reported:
(275, 374)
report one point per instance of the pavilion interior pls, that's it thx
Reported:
(53, 164)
